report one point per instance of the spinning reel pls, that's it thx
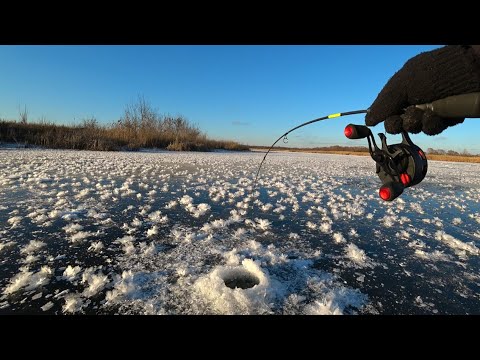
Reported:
(398, 166)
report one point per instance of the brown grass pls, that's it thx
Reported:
(452, 158)
(140, 127)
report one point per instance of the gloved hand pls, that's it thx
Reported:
(429, 76)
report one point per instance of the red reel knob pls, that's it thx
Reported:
(348, 131)
(356, 131)
(405, 179)
(390, 191)
(385, 193)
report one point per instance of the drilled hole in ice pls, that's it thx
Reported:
(240, 278)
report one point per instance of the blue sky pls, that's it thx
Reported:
(251, 94)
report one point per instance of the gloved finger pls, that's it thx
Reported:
(453, 122)
(394, 124)
(433, 124)
(412, 120)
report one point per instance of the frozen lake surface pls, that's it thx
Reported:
(181, 233)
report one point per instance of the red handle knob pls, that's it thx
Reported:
(390, 191)
(356, 131)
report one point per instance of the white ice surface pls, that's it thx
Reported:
(160, 233)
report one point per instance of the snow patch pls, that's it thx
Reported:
(459, 247)
(224, 300)
(14, 220)
(334, 302)
(96, 246)
(356, 255)
(123, 286)
(70, 273)
(338, 238)
(457, 221)
(436, 255)
(29, 280)
(80, 236)
(95, 282)
(47, 306)
(73, 303)
(33, 246)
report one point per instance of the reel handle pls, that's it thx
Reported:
(356, 131)
(391, 190)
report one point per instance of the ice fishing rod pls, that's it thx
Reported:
(399, 165)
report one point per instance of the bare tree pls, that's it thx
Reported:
(23, 114)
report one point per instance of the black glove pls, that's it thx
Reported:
(429, 76)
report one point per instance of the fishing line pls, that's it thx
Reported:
(285, 139)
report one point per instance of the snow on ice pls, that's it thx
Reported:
(186, 233)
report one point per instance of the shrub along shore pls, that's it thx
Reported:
(139, 127)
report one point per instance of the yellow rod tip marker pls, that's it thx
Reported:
(334, 115)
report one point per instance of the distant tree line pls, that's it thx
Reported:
(139, 127)
(333, 148)
(431, 151)
(360, 149)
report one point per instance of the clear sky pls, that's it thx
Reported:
(251, 94)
